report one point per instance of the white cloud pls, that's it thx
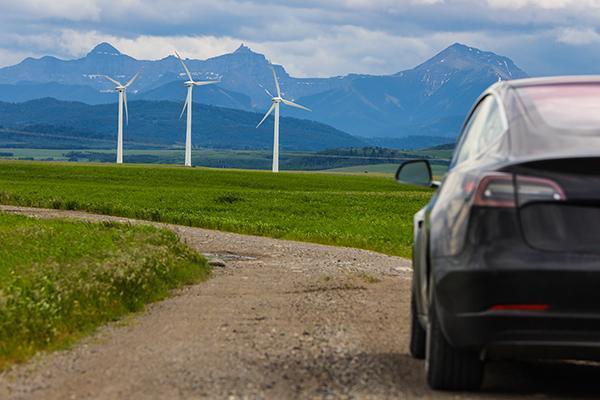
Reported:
(350, 49)
(576, 36)
(545, 4)
(309, 37)
(70, 44)
(146, 46)
(378, 4)
(10, 57)
(74, 10)
(427, 2)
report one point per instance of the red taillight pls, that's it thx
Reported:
(495, 190)
(520, 307)
(498, 190)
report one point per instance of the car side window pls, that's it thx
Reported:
(482, 129)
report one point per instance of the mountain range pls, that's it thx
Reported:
(428, 100)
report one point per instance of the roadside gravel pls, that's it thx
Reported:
(279, 320)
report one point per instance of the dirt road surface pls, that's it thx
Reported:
(281, 320)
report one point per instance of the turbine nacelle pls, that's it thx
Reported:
(122, 89)
(119, 86)
(191, 82)
(277, 100)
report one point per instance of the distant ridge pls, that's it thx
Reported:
(154, 123)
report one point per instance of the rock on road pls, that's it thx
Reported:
(280, 320)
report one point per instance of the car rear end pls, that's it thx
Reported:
(527, 283)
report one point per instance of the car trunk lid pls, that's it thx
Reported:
(570, 220)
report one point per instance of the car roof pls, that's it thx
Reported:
(552, 80)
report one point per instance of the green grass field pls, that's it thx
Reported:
(61, 279)
(244, 159)
(384, 169)
(37, 154)
(165, 156)
(359, 211)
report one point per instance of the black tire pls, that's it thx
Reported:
(449, 368)
(418, 336)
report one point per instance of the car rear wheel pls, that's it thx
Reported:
(449, 368)
(418, 335)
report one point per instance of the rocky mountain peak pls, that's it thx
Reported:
(105, 49)
(460, 57)
(243, 49)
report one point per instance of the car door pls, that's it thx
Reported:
(444, 220)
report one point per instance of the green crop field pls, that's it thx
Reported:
(367, 212)
(61, 279)
(384, 169)
(332, 160)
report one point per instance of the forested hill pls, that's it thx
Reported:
(157, 123)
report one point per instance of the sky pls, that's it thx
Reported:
(311, 37)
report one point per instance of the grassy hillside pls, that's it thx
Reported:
(61, 279)
(366, 212)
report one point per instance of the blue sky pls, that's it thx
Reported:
(310, 37)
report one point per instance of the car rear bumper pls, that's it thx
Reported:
(467, 303)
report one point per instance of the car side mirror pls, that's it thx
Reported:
(415, 172)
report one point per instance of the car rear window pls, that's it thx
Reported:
(565, 106)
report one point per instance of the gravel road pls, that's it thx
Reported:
(280, 320)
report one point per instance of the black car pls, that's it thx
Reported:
(507, 254)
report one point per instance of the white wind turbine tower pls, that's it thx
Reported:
(122, 89)
(277, 100)
(188, 105)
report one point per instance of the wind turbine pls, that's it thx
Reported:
(188, 104)
(122, 89)
(277, 100)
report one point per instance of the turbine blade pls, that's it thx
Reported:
(132, 79)
(276, 82)
(187, 71)
(291, 103)
(203, 83)
(184, 106)
(266, 115)
(125, 104)
(112, 80)
(269, 93)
